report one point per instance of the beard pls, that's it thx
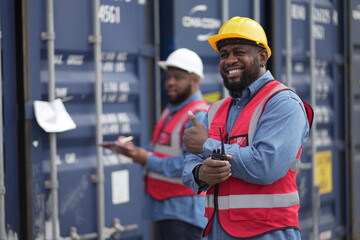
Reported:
(248, 77)
(181, 97)
(237, 87)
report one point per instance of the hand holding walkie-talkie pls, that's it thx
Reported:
(212, 171)
(217, 153)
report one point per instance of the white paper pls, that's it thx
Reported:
(52, 116)
(120, 187)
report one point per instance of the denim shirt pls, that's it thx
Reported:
(270, 156)
(189, 209)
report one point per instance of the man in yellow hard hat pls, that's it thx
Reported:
(251, 179)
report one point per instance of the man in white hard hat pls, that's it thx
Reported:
(177, 211)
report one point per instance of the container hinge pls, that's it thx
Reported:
(2, 190)
(51, 184)
(94, 39)
(46, 36)
(96, 179)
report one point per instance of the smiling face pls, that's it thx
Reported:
(180, 85)
(240, 65)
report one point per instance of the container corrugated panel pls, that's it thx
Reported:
(124, 92)
(189, 24)
(354, 76)
(330, 162)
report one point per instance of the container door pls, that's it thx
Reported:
(354, 129)
(124, 93)
(323, 197)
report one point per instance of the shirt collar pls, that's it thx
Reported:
(174, 108)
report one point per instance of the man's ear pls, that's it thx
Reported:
(195, 82)
(264, 56)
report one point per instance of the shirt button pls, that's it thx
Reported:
(238, 107)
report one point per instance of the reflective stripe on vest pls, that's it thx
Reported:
(254, 201)
(168, 150)
(158, 176)
(159, 186)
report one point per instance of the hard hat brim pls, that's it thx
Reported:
(164, 65)
(213, 40)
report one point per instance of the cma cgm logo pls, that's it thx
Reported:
(192, 21)
(356, 13)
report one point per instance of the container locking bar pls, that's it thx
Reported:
(114, 232)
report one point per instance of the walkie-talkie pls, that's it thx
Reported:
(217, 153)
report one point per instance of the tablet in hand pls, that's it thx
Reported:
(116, 146)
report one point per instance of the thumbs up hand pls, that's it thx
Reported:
(195, 137)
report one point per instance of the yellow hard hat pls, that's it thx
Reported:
(241, 27)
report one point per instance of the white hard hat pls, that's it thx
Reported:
(184, 59)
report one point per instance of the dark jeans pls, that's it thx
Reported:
(177, 230)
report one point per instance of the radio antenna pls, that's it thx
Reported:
(222, 141)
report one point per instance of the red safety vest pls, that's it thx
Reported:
(247, 209)
(167, 141)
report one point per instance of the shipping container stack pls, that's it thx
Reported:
(99, 59)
